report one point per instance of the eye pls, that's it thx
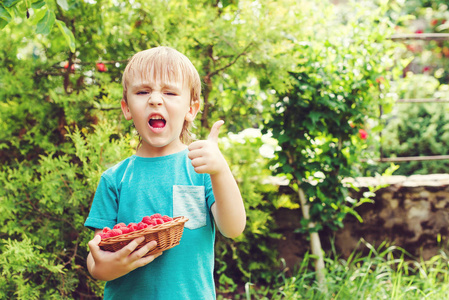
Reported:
(142, 93)
(171, 94)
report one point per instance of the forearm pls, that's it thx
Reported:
(228, 210)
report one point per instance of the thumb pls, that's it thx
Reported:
(94, 243)
(213, 135)
(96, 240)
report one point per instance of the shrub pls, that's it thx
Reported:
(417, 129)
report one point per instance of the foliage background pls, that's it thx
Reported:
(61, 126)
(419, 129)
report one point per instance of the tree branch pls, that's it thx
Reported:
(215, 72)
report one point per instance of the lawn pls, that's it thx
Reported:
(388, 272)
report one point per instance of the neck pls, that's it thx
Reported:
(159, 151)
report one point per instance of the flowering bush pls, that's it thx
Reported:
(431, 56)
(334, 92)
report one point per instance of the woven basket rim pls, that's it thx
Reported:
(176, 222)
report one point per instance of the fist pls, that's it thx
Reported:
(205, 154)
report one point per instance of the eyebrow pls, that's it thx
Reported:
(164, 86)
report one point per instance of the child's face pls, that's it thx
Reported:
(159, 110)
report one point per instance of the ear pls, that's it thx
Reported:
(193, 110)
(125, 110)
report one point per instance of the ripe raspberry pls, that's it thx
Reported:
(125, 230)
(104, 235)
(156, 216)
(141, 225)
(159, 221)
(146, 219)
(115, 232)
(106, 229)
(132, 227)
(119, 225)
(152, 223)
(166, 218)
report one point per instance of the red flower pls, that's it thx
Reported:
(411, 48)
(101, 67)
(380, 79)
(434, 22)
(419, 31)
(72, 68)
(363, 134)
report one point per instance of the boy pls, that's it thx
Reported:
(161, 94)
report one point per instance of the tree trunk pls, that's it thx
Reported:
(205, 114)
(315, 243)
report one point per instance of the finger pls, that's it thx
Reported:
(145, 249)
(147, 259)
(214, 132)
(193, 154)
(128, 249)
(199, 161)
(201, 169)
(93, 244)
(196, 145)
(94, 247)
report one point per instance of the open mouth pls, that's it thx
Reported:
(157, 122)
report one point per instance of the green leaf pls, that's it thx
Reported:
(3, 23)
(46, 23)
(63, 4)
(10, 3)
(38, 4)
(228, 2)
(39, 15)
(68, 35)
(315, 116)
(355, 214)
(4, 14)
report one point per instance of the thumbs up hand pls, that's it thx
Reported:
(214, 132)
(205, 154)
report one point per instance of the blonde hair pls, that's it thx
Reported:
(165, 64)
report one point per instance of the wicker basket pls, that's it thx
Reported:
(166, 235)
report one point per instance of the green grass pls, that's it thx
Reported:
(383, 273)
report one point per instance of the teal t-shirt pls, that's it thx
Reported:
(138, 187)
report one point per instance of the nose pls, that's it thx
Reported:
(155, 99)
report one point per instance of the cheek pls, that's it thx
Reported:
(138, 114)
(137, 107)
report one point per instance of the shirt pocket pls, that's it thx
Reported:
(189, 201)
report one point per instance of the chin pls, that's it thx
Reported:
(162, 145)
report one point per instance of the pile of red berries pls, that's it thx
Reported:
(122, 228)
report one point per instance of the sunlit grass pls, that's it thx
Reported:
(387, 272)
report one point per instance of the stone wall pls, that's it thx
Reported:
(410, 212)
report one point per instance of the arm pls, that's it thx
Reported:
(228, 209)
(106, 265)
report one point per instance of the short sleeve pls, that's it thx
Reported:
(210, 198)
(104, 206)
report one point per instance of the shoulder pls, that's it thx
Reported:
(118, 169)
